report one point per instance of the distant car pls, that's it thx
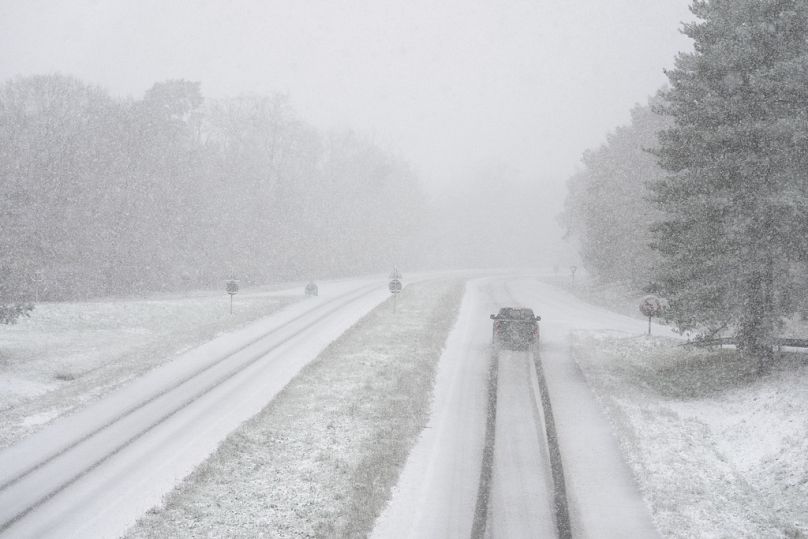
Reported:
(515, 328)
(311, 289)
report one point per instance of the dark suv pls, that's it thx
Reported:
(515, 328)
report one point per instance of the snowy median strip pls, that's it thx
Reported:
(321, 459)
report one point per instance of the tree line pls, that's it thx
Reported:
(105, 196)
(703, 198)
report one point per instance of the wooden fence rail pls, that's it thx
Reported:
(782, 341)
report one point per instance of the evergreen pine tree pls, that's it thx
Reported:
(736, 196)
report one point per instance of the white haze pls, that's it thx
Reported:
(457, 88)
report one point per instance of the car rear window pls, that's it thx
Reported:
(516, 314)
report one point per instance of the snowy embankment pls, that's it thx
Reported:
(67, 355)
(321, 459)
(718, 450)
(620, 298)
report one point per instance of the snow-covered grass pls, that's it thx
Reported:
(321, 459)
(718, 450)
(68, 354)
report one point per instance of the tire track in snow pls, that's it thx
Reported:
(549, 436)
(484, 489)
(9, 484)
(562, 514)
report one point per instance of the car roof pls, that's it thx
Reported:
(514, 312)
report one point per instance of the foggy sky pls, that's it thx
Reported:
(451, 86)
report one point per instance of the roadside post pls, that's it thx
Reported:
(573, 269)
(395, 289)
(37, 278)
(652, 306)
(232, 288)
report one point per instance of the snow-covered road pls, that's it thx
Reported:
(520, 501)
(92, 474)
(437, 493)
(603, 496)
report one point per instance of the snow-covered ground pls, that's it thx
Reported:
(521, 499)
(618, 297)
(67, 355)
(321, 459)
(92, 474)
(437, 492)
(712, 450)
(718, 450)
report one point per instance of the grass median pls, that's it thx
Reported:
(322, 458)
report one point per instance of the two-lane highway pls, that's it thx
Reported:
(501, 456)
(92, 474)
